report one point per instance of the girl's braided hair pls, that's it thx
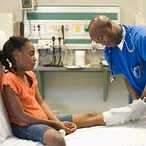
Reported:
(6, 55)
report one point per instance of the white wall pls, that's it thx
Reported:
(129, 8)
(82, 92)
(12, 6)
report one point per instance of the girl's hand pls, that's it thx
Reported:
(70, 126)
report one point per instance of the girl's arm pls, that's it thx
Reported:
(17, 109)
(20, 114)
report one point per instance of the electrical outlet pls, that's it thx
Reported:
(37, 29)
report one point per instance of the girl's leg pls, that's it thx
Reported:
(88, 119)
(52, 138)
(39, 133)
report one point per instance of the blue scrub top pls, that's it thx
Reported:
(132, 64)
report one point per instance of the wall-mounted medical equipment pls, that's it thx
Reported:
(68, 22)
(51, 55)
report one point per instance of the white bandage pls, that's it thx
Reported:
(116, 116)
(138, 108)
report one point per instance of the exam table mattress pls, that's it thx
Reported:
(130, 134)
(14, 141)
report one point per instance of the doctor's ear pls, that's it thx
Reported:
(109, 24)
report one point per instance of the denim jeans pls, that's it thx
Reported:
(35, 132)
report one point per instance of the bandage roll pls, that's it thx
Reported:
(115, 119)
(121, 110)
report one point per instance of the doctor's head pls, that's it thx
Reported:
(104, 31)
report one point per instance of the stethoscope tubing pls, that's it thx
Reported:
(112, 77)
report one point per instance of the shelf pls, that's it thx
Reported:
(38, 71)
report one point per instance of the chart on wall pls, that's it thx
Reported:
(68, 22)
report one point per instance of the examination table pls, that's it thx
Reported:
(130, 134)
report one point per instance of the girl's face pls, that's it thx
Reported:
(26, 59)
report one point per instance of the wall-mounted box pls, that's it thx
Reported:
(27, 4)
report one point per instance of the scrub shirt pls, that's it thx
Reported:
(131, 60)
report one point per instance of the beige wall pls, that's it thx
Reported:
(12, 6)
(129, 8)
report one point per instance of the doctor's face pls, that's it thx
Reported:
(107, 37)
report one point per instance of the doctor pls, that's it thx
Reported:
(125, 51)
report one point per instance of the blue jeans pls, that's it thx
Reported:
(35, 132)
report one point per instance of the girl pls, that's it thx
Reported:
(29, 115)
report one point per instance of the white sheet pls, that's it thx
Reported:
(14, 141)
(130, 134)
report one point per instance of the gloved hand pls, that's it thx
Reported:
(138, 108)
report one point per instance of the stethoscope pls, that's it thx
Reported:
(112, 76)
(130, 50)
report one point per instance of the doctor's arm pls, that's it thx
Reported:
(144, 92)
(132, 92)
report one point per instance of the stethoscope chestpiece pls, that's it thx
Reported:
(112, 78)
